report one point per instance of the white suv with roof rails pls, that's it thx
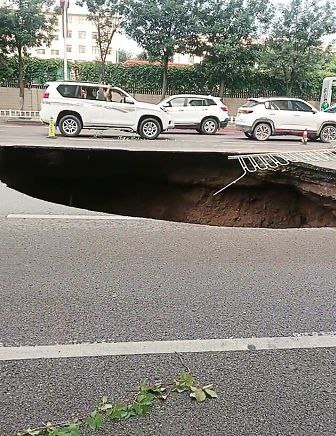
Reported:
(261, 118)
(75, 106)
(204, 113)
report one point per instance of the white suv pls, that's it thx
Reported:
(261, 118)
(75, 106)
(206, 114)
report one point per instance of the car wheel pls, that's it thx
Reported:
(209, 126)
(149, 128)
(328, 134)
(248, 135)
(262, 132)
(70, 125)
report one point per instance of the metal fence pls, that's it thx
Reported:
(242, 93)
(12, 113)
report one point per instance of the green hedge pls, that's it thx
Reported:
(148, 78)
(144, 77)
(37, 71)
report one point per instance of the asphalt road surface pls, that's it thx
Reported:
(78, 279)
(227, 140)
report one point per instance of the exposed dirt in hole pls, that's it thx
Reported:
(173, 186)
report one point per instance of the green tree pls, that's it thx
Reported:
(25, 24)
(124, 56)
(161, 27)
(105, 16)
(294, 47)
(142, 56)
(229, 40)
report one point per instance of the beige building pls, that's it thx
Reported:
(81, 42)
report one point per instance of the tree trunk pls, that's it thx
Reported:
(165, 76)
(221, 88)
(289, 89)
(102, 71)
(21, 78)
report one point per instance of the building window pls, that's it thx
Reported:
(94, 35)
(69, 34)
(81, 34)
(69, 48)
(81, 20)
(109, 51)
(81, 49)
(54, 52)
(69, 19)
(55, 37)
(95, 50)
(40, 51)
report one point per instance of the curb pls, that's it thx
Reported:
(18, 121)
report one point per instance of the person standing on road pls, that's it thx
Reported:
(325, 105)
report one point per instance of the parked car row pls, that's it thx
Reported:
(78, 105)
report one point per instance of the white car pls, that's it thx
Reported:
(75, 106)
(206, 114)
(261, 118)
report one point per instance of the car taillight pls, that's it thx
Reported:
(225, 109)
(46, 95)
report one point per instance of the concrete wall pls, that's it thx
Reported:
(9, 99)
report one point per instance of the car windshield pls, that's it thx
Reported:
(251, 103)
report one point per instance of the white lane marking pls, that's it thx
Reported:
(166, 347)
(70, 217)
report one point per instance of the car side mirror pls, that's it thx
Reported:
(128, 100)
(166, 105)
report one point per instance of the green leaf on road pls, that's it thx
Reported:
(118, 411)
(198, 394)
(31, 432)
(95, 420)
(104, 399)
(184, 382)
(105, 407)
(209, 391)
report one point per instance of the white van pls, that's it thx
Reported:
(75, 106)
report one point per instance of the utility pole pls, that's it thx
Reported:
(64, 6)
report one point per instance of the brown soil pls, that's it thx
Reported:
(175, 187)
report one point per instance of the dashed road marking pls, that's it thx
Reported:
(167, 347)
(71, 217)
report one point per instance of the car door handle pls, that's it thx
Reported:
(296, 115)
(181, 110)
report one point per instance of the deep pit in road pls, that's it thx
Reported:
(173, 186)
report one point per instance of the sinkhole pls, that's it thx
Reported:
(173, 186)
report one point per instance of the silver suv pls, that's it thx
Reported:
(261, 118)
